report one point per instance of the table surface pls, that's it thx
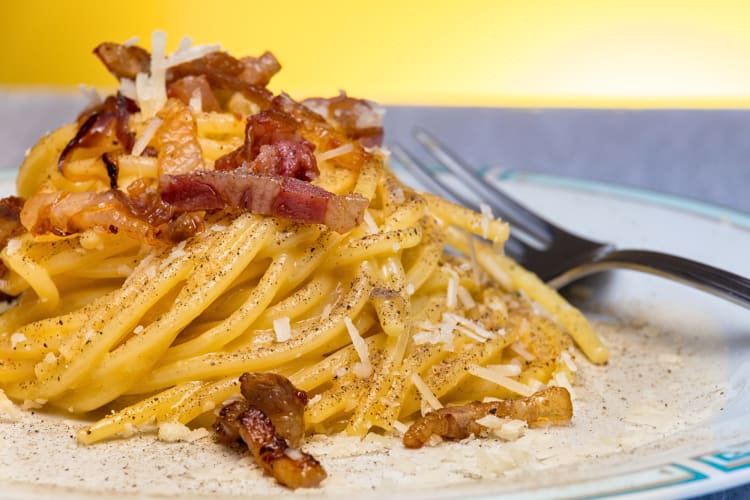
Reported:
(699, 154)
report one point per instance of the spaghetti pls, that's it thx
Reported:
(150, 272)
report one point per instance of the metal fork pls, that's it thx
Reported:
(556, 255)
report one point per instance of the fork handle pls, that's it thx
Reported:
(724, 284)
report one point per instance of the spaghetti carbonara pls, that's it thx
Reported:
(194, 226)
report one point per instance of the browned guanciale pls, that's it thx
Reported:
(275, 195)
(179, 151)
(268, 419)
(273, 146)
(186, 88)
(280, 400)
(551, 406)
(64, 213)
(10, 221)
(259, 70)
(248, 75)
(359, 118)
(138, 213)
(10, 227)
(123, 61)
(104, 126)
(224, 72)
(324, 135)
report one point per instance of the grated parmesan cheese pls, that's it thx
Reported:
(13, 245)
(127, 89)
(130, 41)
(50, 358)
(561, 380)
(91, 95)
(427, 395)
(465, 297)
(451, 300)
(398, 196)
(410, 289)
(186, 53)
(138, 329)
(400, 427)
(502, 381)
(313, 400)
(475, 327)
(150, 89)
(568, 361)
(33, 404)
(490, 421)
(293, 453)
(363, 368)
(372, 226)
(171, 432)
(333, 153)
(508, 370)
(486, 218)
(16, 339)
(469, 333)
(511, 430)
(8, 410)
(519, 349)
(282, 329)
(148, 133)
(196, 101)
(433, 334)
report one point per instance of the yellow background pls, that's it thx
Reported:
(470, 52)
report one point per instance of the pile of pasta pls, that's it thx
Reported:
(414, 308)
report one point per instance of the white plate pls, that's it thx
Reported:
(664, 419)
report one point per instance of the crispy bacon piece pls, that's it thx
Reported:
(10, 226)
(177, 140)
(226, 425)
(259, 70)
(270, 413)
(106, 122)
(223, 72)
(10, 222)
(290, 466)
(262, 194)
(359, 118)
(551, 406)
(273, 146)
(283, 403)
(184, 89)
(63, 213)
(324, 135)
(123, 61)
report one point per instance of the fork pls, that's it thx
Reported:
(556, 255)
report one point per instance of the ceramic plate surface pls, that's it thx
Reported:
(665, 418)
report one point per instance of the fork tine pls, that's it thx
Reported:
(422, 174)
(514, 246)
(503, 205)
